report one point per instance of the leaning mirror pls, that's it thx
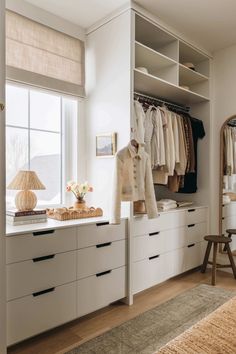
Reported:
(228, 181)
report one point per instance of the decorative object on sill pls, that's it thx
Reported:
(63, 214)
(26, 181)
(140, 207)
(106, 144)
(79, 190)
(143, 69)
(185, 87)
(190, 66)
(15, 217)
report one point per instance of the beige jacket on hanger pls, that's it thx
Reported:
(132, 181)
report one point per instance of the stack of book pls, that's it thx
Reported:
(15, 217)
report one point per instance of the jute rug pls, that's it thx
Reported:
(148, 332)
(214, 334)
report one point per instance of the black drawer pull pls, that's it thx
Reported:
(223, 218)
(191, 210)
(191, 225)
(44, 258)
(50, 290)
(102, 223)
(103, 245)
(39, 233)
(153, 257)
(154, 233)
(192, 244)
(103, 273)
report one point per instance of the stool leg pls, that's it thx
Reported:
(206, 257)
(225, 248)
(231, 259)
(213, 279)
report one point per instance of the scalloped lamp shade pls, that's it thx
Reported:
(26, 181)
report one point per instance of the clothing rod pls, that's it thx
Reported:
(160, 100)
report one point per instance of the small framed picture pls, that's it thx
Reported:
(106, 144)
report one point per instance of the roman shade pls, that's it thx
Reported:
(41, 56)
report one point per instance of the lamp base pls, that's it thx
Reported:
(25, 200)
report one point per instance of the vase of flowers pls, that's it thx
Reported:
(79, 190)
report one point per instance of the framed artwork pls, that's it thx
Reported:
(106, 144)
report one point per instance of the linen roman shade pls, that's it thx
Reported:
(41, 56)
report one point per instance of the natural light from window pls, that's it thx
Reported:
(39, 125)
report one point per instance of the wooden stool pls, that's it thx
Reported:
(230, 232)
(215, 239)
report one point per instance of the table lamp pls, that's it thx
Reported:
(26, 181)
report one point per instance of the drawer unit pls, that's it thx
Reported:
(149, 272)
(165, 221)
(102, 232)
(229, 209)
(99, 290)
(37, 313)
(195, 232)
(37, 244)
(103, 256)
(167, 240)
(194, 254)
(195, 216)
(34, 275)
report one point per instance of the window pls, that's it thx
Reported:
(41, 133)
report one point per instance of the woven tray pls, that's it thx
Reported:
(63, 214)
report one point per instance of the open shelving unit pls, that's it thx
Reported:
(163, 56)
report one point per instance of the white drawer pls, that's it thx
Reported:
(175, 262)
(195, 232)
(31, 315)
(229, 209)
(164, 221)
(96, 259)
(90, 235)
(28, 277)
(37, 244)
(195, 216)
(167, 240)
(194, 254)
(98, 291)
(149, 272)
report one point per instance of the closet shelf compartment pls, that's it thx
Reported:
(157, 64)
(153, 86)
(189, 76)
(156, 38)
(187, 54)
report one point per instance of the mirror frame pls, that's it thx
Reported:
(222, 172)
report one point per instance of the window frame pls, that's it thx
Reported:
(67, 133)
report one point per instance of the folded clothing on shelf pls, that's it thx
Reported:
(184, 203)
(166, 204)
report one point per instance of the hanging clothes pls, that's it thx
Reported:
(132, 181)
(190, 178)
(173, 140)
(138, 122)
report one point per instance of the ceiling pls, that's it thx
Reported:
(209, 23)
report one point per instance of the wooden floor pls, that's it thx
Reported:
(60, 340)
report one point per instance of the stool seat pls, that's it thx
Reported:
(231, 231)
(217, 239)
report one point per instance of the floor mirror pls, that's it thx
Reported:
(227, 195)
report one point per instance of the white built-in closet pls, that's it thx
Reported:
(115, 50)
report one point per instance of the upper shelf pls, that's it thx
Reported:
(189, 76)
(153, 86)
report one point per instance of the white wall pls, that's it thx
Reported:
(108, 86)
(224, 106)
(2, 185)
